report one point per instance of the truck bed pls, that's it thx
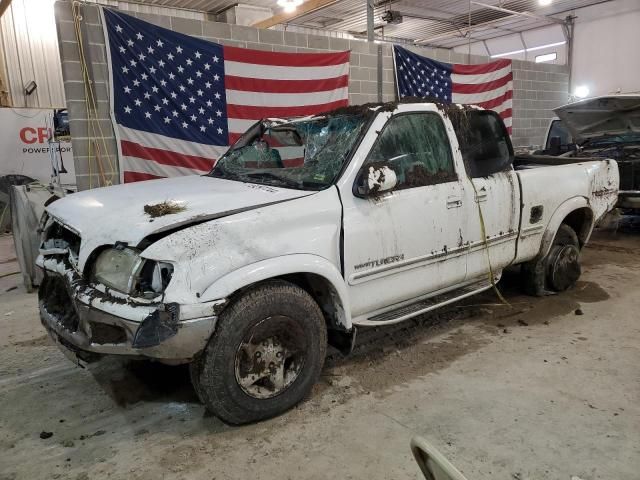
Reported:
(523, 162)
(548, 185)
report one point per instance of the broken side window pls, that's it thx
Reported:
(484, 142)
(416, 147)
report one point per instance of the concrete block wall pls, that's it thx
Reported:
(93, 141)
(537, 87)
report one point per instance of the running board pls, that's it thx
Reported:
(425, 305)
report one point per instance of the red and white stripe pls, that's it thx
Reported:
(145, 156)
(258, 85)
(275, 85)
(488, 85)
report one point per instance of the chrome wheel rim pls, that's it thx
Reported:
(270, 357)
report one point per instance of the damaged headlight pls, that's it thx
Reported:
(154, 278)
(124, 270)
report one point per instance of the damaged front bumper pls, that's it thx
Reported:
(87, 322)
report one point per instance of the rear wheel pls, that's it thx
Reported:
(266, 354)
(559, 269)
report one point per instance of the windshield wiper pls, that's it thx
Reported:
(285, 181)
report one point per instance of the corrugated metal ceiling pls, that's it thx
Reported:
(443, 22)
(436, 22)
(211, 5)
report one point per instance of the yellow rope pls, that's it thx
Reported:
(9, 274)
(483, 231)
(91, 105)
(75, 8)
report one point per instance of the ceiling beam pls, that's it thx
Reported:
(4, 4)
(369, 7)
(463, 32)
(521, 14)
(467, 30)
(306, 7)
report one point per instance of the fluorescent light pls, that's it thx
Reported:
(532, 49)
(546, 57)
(581, 91)
(506, 54)
(544, 3)
(289, 5)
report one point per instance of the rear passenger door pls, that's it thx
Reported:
(488, 157)
(407, 242)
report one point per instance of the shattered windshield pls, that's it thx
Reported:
(306, 154)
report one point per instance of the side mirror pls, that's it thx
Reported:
(373, 180)
(555, 145)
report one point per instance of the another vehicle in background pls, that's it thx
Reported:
(558, 140)
(607, 127)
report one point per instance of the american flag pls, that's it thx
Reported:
(178, 102)
(488, 85)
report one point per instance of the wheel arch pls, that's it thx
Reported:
(576, 213)
(581, 220)
(314, 274)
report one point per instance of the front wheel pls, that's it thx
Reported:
(265, 355)
(559, 269)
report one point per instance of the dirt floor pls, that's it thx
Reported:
(542, 389)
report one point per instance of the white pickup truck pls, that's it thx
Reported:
(304, 230)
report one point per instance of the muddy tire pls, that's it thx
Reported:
(557, 271)
(265, 355)
(195, 368)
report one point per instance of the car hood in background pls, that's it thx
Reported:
(600, 116)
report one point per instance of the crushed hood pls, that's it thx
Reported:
(104, 216)
(600, 116)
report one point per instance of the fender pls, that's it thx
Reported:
(560, 214)
(278, 266)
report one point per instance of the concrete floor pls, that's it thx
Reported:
(526, 391)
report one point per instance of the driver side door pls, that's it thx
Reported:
(408, 242)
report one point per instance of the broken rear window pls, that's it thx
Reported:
(416, 147)
(306, 154)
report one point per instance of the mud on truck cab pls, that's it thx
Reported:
(304, 231)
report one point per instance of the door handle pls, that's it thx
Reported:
(481, 195)
(454, 202)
